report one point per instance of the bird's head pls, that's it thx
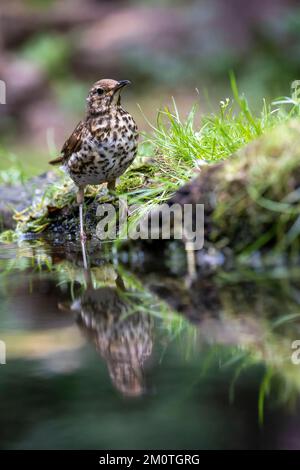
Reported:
(105, 94)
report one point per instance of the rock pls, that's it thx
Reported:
(251, 201)
(56, 222)
(19, 197)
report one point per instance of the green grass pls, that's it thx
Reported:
(267, 343)
(13, 171)
(175, 151)
(220, 134)
(258, 196)
(181, 148)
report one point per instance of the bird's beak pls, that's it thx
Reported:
(122, 83)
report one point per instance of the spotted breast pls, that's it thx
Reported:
(103, 145)
(108, 147)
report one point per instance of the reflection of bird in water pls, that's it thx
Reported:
(123, 339)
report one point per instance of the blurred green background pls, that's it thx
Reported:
(52, 51)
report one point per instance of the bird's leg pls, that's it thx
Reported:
(111, 185)
(80, 199)
(191, 263)
(83, 251)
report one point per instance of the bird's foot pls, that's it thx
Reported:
(111, 186)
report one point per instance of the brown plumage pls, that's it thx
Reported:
(104, 144)
(123, 338)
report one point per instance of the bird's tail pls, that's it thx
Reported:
(56, 161)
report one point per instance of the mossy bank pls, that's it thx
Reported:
(242, 166)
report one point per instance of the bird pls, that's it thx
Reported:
(121, 333)
(103, 144)
(122, 337)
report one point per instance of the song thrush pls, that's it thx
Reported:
(103, 145)
(122, 337)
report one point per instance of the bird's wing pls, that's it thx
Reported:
(72, 144)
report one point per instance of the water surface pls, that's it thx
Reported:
(127, 354)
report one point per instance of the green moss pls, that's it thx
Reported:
(175, 152)
(36, 217)
(258, 198)
(137, 177)
(130, 183)
(8, 236)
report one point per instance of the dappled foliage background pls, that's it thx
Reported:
(55, 390)
(51, 51)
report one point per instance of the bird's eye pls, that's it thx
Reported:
(100, 91)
